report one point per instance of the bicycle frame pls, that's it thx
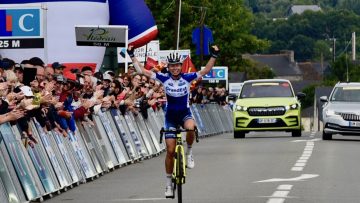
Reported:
(179, 170)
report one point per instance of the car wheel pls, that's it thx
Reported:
(326, 136)
(239, 134)
(296, 133)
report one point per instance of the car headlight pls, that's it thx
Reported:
(329, 113)
(240, 108)
(292, 107)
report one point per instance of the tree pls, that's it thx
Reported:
(230, 21)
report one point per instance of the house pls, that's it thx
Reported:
(299, 9)
(283, 64)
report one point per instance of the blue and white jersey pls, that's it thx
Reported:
(177, 91)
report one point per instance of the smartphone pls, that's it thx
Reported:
(29, 75)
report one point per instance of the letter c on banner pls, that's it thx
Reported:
(220, 74)
(21, 22)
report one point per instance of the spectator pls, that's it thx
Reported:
(58, 68)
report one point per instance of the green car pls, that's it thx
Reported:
(267, 105)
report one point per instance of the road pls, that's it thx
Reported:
(264, 167)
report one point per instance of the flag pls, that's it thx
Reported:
(188, 66)
(150, 63)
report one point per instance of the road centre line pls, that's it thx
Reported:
(284, 187)
(301, 162)
(280, 195)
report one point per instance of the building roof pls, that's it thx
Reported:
(309, 72)
(279, 63)
(299, 9)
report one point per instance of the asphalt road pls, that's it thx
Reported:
(263, 167)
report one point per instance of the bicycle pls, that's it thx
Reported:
(179, 171)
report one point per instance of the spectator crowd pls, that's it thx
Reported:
(57, 98)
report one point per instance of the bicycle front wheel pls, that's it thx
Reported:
(179, 192)
(180, 167)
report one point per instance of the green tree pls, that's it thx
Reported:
(322, 48)
(230, 21)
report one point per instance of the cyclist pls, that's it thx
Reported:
(177, 89)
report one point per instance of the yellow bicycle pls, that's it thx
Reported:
(179, 171)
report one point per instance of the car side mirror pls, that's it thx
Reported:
(324, 99)
(300, 95)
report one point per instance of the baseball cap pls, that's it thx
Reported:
(109, 72)
(19, 67)
(27, 91)
(57, 65)
(107, 77)
(131, 66)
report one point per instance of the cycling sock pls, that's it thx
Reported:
(168, 179)
(189, 150)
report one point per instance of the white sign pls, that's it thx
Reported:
(163, 54)
(235, 88)
(152, 47)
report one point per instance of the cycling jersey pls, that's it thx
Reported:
(177, 91)
(177, 95)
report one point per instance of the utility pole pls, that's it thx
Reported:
(353, 40)
(334, 48)
(178, 20)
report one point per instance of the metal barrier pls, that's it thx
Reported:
(59, 162)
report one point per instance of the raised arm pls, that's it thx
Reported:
(138, 66)
(210, 64)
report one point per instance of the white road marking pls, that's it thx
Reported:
(276, 200)
(300, 164)
(304, 158)
(280, 193)
(312, 140)
(284, 187)
(301, 161)
(140, 199)
(299, 178)
(297, 168)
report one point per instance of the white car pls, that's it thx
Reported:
(341, 112)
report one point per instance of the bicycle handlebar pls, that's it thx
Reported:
(178, 130)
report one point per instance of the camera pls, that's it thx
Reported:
(137, 104)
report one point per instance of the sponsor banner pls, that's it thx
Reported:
(21, 26)
(103, 36)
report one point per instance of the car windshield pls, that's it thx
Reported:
(348, 94)
(266, 89)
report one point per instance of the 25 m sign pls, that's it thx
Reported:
(21, 43)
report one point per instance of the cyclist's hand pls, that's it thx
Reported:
(130, 51)
(214, 51)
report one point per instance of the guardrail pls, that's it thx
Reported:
(59, 163)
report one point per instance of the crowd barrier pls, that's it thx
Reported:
(59, 163)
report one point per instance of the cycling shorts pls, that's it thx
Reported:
(173, 119)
